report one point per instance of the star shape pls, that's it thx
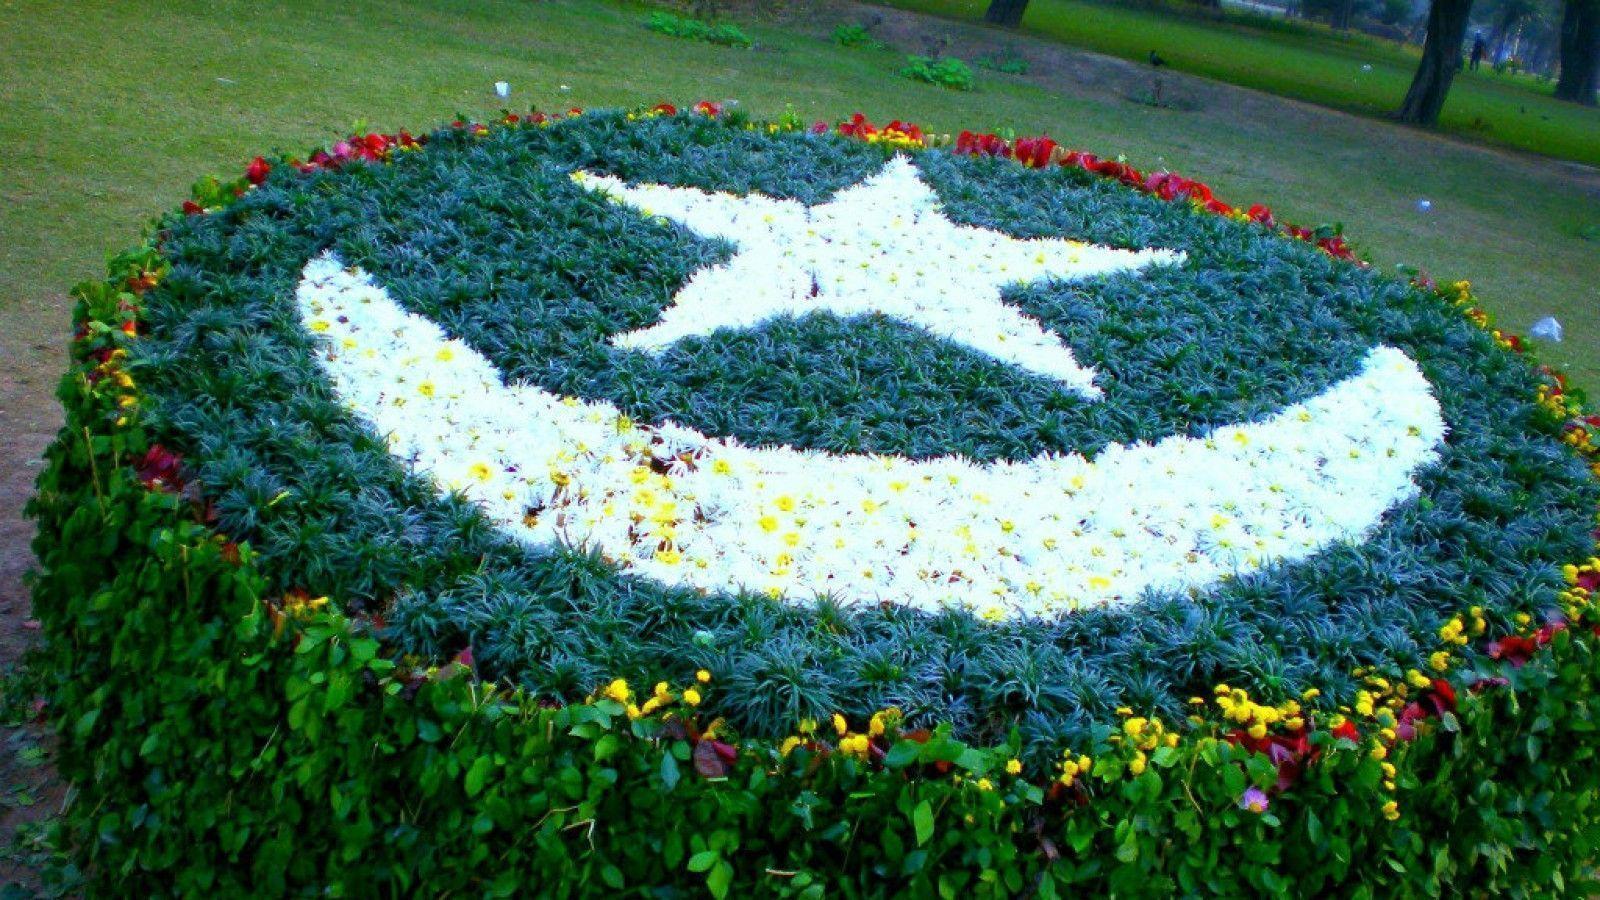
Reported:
(882, 246)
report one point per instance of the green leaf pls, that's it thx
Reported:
(720, 879)
(703, 860)
(607, 747)
(669, 771)
(902, 754)
(478, 774)
(922, 821)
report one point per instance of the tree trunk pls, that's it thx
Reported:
(1006, 13)
(1441, 59)
(1580, 52)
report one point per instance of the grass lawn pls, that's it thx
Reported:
(112, 108)
(1312, 64)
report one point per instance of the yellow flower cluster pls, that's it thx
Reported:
(1258, 718)
(1575, 600)
(661, 696)
(1080, 767)
(299, 605)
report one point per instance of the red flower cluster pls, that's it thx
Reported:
(1438, 700)
(1517, 650)
(1038, 152)
(857, 126)
(372, 147)
(1291, 752)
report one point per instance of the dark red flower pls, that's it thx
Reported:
(191, 208)
(664, 109)
(160, 469)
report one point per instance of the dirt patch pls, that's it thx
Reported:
(32, 347)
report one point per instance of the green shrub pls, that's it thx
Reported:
(946, 71)
(1007, 63)
(721, 33)
(857, 35)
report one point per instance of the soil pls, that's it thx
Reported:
(33, 340)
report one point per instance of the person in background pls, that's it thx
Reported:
(1478, 48)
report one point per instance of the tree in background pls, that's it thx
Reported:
(1441, 58)
(1007, 13)
(1580, 52)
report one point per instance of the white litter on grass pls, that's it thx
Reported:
(502, 89)
(1546, 329)
(1424, 205)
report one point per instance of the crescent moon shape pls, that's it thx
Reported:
(1002, 539)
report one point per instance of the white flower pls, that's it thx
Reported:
(1041, 537)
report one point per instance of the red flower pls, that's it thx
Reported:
(1261, 214)
(970, 144)
(257, 171)
(709, 108)
(664, 109)
(1033, 152)
(1514, 649)
(1348, 731)
(191, 208)
(1443, 696)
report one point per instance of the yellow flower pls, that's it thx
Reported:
(1439, 661)
(1138, 764)
(1014, 767)
(785, 503)
(1391, 810)
(425, 389)
(691, 697)
(702, 676)
(985, 784)
(840, 725)
(618, 690)
(768, 523)
(788, 745)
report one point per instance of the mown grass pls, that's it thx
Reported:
(113, 108)
(1311, 64)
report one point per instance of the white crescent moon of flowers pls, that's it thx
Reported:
(1036, 538)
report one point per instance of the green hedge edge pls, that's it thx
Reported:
(215, 749)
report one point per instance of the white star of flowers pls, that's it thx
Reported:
(882, 246)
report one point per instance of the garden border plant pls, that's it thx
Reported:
(222, 738)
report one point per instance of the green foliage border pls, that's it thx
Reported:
(227, 742)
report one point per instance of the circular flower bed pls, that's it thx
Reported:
(936, 484)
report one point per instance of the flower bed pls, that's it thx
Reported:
(991, 517)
